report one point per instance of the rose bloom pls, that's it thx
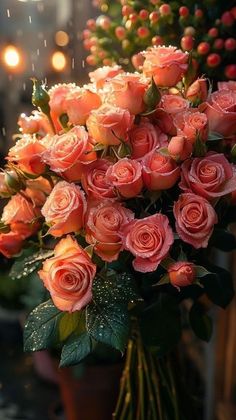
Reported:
(57, 95)
(104, 223)
(181, 274)
(211, 177)
(195, 219)
(172, 104)
(149, 240)
(102, 74)
(220, 110)
(64, 209)
(37, 122)
(126, 91)
(68, 152)
(164, 121)
(166, 65)
(160, 172)
(10, 244)
(94, 180)
(68, 276)
(144, 138)
(197, 92)
(230, 85)
(38, 190)
(21, 215)
(27, 154)
(79, 103)
(180, 148)
(126, 176)
(108, 123)
(191, 124)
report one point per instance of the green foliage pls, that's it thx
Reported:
(219, 286)
(28, 262)
(200, 322)
(76, 350)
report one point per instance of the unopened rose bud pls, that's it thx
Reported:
(13, 181)
(197, 92)
(182, 274)
(40, 97)
(179, 148)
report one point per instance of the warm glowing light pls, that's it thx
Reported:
(11, 56)
(58, 61)
(61, 38)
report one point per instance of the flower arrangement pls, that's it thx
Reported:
(126, 27)
(118, 190)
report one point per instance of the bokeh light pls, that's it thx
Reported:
(58, 61)
(11, 56)
(61, 38)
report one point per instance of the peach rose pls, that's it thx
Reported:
(164, 121)
(68, 152)
(180, 148)
(126, 91)
(102, 74)
(64, 209)
(79, 103)
(126, 176)
(68, 276)
(108, 123)
(103, 228)
(38, 190)
(160, 172)
(57, 95)
(172, 104)
(37, 122)
(195, 219)
(191, 124)
(94, 180)
(197, 92)
(211, 177)
(27, 154)
(166, 65)
(182, 273)
(10, 244)
(149, 240)
(144, 138)
(220, 110)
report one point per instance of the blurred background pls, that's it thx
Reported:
(43, 39)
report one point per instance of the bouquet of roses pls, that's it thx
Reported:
(117, 192)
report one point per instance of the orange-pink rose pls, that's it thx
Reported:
(35, 123)
(126, 177)
(160, 172)
(94, 180)
(67, 153)
(230, 85)
(64, 209)
(172, 104)
(104, 223)
(108, 124)
(27, 154)
(79, 103)
(149, 240)
(57, 95)
(69, 275)
(166, 65)
(10, 244)
(38, 190)
(145, 137)
(180, 148)
(102, 74)
(195, 219)
(181, 274)
(197, 92)
(192, 124)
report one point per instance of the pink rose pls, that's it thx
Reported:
(102, 74)
(197, 92)
(166, 65)
(64, 209)
(195, 219)
(67, 153)
(69, 275)
(191, 124)
(94, 180)
(172, 104)
(164, 121)
(149, 240)
(126, 91)
(211, 177)
(182, 273)
(126, 176)
(10, 244)
(180, 148)
(57, 95)
(231, 85)
(79, 103)
(103, 228)
(144, 138)
(37, 122)
(160, 172)
(220, 110)
(27, 154)
(108, 123)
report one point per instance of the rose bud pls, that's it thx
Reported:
(180, 148)
(11, 243)
(181, 273)
(197, 92)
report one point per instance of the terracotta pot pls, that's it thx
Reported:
(94, 395)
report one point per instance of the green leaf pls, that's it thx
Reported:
(200, 322)
(199, 148)
(68, 323)
(213, 136)
(201, 271)
(160, 324)
(25, 265)
(223, 240)
(41, 328)
(219, 286)
(76, 350)
(152, 96)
